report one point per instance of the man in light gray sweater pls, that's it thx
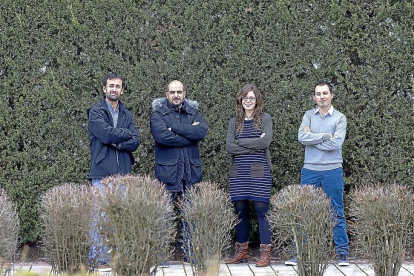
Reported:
(322, 131)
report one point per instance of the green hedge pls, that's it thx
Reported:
(55, 53)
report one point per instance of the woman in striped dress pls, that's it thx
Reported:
(248, 138)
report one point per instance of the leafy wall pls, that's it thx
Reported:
(54, 55)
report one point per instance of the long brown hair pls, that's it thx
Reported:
(258, 110)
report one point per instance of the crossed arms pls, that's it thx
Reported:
(179, 134)
(323, 141)
(248, 145)
(126, 139)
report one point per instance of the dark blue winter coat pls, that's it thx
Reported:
(111, 148)
(177, 156)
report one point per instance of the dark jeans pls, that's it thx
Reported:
(332, 182)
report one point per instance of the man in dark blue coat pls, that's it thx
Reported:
(112, 132)
(177, 126)
(114, 137)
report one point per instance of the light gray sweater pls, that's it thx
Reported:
(322, 152)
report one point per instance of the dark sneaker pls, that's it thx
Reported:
(343, 260)
(292, 262)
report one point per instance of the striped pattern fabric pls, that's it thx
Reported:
(243, 186)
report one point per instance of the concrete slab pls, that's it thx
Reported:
(409, 268)
(367, 268)
(32, 267)
(224, 271)
(261, 271)
(350, 270)
(282, 270)
(333, 271)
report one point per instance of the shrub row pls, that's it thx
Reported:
(136, 222)
(383, 225)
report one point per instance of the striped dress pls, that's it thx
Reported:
(244, 186)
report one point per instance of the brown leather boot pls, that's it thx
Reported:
(264, 259)
(240, 255)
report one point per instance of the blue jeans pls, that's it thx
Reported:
(185, 232)
(332, 182)
(98, 252)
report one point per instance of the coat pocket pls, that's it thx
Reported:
(233, 170)
(196, 171)
(257, 170)
(166, 171)
(102, 154)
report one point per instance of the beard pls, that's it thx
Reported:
(176, 101)
(112, 97)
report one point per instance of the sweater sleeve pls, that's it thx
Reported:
(261, 142)
(310, 138)
(338, 137)
(231, 144)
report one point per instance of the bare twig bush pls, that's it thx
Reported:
(302, 220)
(138, 223)
(383, 226)
(208, 218)
(65, 216)
(9, 230)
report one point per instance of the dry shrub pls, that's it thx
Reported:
(138, 222)
(9, 229)
(302, 220)
(65, 216)
(208, 218)
(383, 226)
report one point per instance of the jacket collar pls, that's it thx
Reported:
(161, 105)
(103, 105)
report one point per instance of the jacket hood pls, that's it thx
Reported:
(162, 102)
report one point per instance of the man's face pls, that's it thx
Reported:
(323, 97)
(176, 93)
(113, 89)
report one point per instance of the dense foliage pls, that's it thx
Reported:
(54, 54)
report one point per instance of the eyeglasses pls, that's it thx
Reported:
(172, 92)
(251, 99)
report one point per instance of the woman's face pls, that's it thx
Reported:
(249, 101)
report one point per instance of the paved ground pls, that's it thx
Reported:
(276, 269)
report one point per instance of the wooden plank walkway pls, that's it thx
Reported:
(275, 269)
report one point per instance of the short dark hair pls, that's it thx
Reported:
(111, 76)
(322, 83)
